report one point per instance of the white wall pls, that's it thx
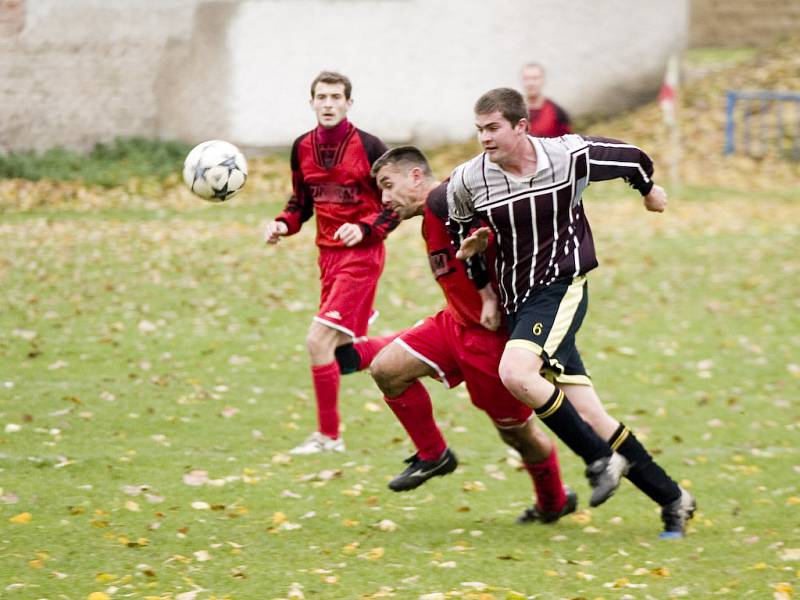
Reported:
(417, 66)
(88, 70)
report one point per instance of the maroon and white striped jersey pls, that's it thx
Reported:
(540, 228)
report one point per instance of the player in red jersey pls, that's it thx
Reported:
(545, 117)
(463, 342)
(331, 175)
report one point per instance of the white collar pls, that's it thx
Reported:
(542, 160)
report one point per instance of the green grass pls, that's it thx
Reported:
(137, 346)
(106, 165)
(718, 57)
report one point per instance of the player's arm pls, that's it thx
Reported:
(563, 123)
(469, 236)
(611, 159)
(299, 208)
(490, 308)
(378, 226)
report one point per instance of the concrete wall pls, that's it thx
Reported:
(417, 66)
(82, 71)
(77, 72)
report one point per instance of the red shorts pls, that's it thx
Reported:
(469, 354)
(349, 280)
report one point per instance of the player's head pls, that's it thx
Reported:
(532, 80)
(402, 173)
(330, 98)
(501, 118)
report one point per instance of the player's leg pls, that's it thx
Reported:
(397, 369)
(357, 356)
(321, 342)
(546, 322)
(554, 499)
(677, 505)
(478, 352)
(349, 279)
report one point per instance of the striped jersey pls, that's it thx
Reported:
(540, 228)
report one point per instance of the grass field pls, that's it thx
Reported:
(153, 376)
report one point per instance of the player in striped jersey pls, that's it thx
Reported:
(527, 192)
(462, 342)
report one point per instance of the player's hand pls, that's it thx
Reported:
(275, 231)
(476, 243)
(656, 200)
(350, 234)
(490, 309)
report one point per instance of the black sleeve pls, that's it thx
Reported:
(611, 159)
(373, 146)
(476, 267)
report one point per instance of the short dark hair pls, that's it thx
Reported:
(507, 101)
(531, 65)
(405, 156)
(332, 77)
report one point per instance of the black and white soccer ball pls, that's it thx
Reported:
(215, 170)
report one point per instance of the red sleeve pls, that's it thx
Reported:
(300, 206)
(378, 225)
(563, 125)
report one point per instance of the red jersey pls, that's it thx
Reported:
(549, 121)
(463, 301)
(331, 175)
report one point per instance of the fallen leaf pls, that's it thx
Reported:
(21, 518)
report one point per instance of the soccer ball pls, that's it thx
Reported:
(215, 170)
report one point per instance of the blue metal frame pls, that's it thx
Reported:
(732, 97)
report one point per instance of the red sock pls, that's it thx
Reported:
(546, 475)
(368, 348)
(326, 388)
(414, 410)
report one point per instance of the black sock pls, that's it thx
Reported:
(562, 418)
(347, 358)
(644, 472)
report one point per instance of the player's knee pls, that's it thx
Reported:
(513, 438)
(319, 344)
(388, 380)
(514, 379)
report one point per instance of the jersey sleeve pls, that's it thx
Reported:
(380, 224)
(563, 123)
(461, 221)
(301, 205)
(612, 159)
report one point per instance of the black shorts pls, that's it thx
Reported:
(546, 324)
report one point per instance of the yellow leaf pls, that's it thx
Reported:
(350, 548)
(793, 500)
(36, 563)
(660, 572)
(21, 518)
(278, 518)
(98, 596)
(104, 577)
(374, 554)
(349, 523)
(760, 566)
(551, 573)
(582, 518)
